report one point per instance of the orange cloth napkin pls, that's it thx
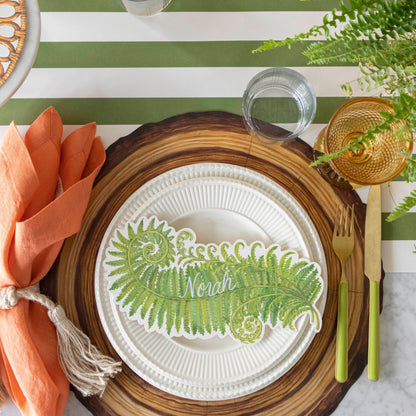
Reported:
(33, 224)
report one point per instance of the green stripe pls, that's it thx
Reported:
(81, 6)
(164, 54)
(403, 228)
(191, 5)
(251, 5)
(133, 110)
(398, 178)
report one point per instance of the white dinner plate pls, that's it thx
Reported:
(220, 202)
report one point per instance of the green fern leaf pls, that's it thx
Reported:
(404, 207)
(198, 290)
(379, 36)
(122, 281)
(126, 289)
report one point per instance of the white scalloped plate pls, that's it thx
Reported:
(220, 202)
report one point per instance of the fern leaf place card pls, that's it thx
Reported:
(167, 282)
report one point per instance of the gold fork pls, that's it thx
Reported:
(343, 244)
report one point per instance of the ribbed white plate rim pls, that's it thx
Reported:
(115, 323)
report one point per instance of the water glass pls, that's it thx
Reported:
(145, 7)
(278, 104)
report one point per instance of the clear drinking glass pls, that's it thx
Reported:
(278, 104)
(145, 7)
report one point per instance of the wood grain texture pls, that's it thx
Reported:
(309, 388)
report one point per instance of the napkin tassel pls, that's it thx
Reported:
(85, 366)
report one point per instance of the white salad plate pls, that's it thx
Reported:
(220, 202)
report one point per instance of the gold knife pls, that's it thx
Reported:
(372, 269)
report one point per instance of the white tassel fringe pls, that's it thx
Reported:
(86, 368)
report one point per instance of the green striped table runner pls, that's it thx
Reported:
(97, 62)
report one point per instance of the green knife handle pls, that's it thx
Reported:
(374, 333)
(341, 366)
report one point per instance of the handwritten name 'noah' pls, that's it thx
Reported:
(198, 288)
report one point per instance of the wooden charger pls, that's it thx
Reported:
(309, 387)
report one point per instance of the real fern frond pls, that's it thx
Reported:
(380, 36)
(409, 173)
(403, 208)
(353, 146)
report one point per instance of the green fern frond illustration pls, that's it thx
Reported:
(170, 284)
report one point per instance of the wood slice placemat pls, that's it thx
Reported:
(309, 387)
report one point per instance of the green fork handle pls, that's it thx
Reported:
(374, 333)
(341, 366)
